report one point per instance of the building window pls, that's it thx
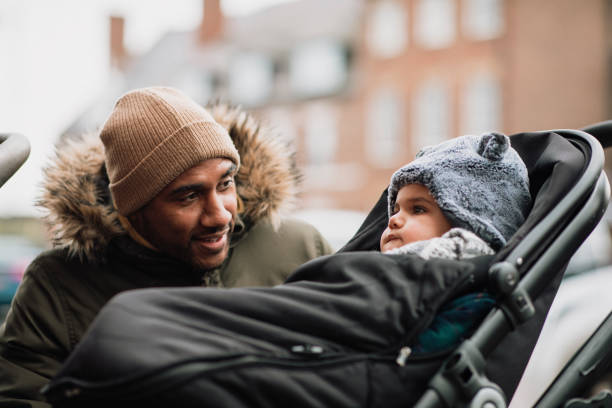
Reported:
(482, 19)
(431, 114)
(320, 134)
(318, 68)
(481, 105)
(387, 29)
(384, 128)
(251, 79)
(281, 124)
(435, 23)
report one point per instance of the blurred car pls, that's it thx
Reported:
(16, 253)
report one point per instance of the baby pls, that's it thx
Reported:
(463, 198)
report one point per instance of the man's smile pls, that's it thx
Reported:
(213, 242)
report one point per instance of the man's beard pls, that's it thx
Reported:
(203, 265)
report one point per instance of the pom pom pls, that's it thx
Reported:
(493, 146)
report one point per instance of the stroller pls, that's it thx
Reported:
(14, 151)
(329, 338)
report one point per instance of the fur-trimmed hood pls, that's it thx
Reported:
(76, 199)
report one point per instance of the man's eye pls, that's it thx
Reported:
(189, 197)
(225, 184)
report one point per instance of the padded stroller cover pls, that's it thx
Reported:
(329, 337)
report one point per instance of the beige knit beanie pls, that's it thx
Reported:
(151, 137)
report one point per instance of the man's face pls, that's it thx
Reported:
(416, 217)
(191, 218)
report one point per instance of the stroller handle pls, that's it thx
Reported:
(602, 131)
(14, 151)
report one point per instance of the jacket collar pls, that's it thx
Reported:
(153, 264)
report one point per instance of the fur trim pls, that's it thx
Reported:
(268, 177)
(76, 201)
(75, 198)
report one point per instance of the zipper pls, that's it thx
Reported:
(179, 373)
(167, 377)
(403, 355)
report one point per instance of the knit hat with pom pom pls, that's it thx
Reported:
(479, 182)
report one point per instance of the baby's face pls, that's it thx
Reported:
(416, 217)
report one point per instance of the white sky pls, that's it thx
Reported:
(54, 63)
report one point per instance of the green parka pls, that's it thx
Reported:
(94, 259)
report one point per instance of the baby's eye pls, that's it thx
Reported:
(419, 209)
(395, 209)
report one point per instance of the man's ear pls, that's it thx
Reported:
(136, 220)
(134, 225)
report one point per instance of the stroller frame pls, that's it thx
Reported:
(461, 378)
(591, 362)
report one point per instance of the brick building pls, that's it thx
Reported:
(359, 86)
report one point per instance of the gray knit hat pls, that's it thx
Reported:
(151, 137)
(479, 182)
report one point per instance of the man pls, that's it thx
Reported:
(163, 197)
